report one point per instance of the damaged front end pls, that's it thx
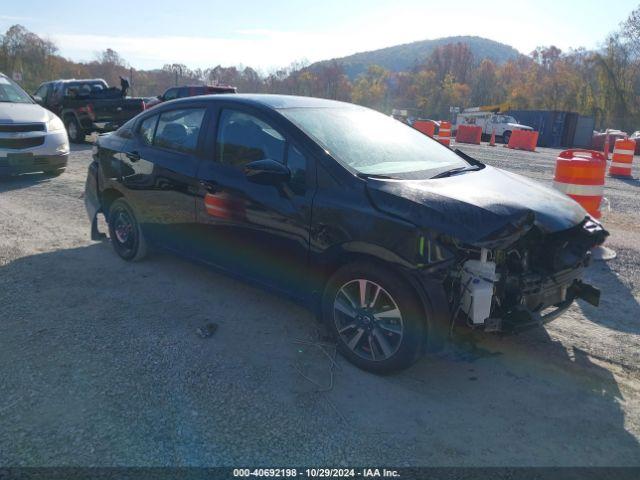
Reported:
(522, 278)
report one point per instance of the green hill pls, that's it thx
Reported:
(404, 57)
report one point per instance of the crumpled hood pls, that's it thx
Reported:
(23, 113)
(486, 207)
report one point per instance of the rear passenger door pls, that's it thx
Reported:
(160, 165)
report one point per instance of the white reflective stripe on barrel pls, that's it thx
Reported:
(583, 190)
(618, 151)
(444, 130)
(621, 165)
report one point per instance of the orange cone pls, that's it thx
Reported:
(492, 142)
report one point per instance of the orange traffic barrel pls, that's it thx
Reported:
(425, 126)
(622, 158)
(444, 133)
(580, 175)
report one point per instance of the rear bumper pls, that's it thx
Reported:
(92, 202)
(15, 164)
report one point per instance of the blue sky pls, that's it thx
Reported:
(271, 34)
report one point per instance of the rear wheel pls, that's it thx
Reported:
(375, 317)
(125, 232)
(74, 130)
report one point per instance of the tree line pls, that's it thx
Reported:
(604, 83)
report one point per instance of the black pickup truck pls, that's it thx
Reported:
(88, 105)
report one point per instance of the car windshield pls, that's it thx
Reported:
(10, 92)
(372, 143)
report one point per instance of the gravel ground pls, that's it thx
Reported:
(100, 364)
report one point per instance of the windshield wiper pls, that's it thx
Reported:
(454, 171)
(374, 175)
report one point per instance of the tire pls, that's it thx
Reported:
(505, 137)
(374, 338)
(126, 235)
(74, 130)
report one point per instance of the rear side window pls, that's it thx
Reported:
(179, 130)
(126, 130)
(243, 138)
(147, 130)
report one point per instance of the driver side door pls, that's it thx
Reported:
(257, 231)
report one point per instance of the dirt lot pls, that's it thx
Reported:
(100, 363)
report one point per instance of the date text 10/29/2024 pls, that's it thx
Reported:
(316, 472)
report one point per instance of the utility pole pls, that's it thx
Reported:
(177, 69)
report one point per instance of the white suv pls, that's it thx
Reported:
(32, 139)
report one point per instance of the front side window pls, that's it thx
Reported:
(10, 92)
(372, 143)
(244, 138)
(297, 163)
(179, 130)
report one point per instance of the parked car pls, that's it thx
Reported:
(32, 139)
(388, 235)
(194, 90)
(501, 124)
(88, 105)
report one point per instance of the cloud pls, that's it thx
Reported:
(11, 18)
(259, 48)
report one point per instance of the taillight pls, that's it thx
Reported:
(88, 110)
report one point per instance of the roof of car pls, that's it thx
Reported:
(271, 101)
(76, 80)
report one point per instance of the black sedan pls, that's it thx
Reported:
(392, 238)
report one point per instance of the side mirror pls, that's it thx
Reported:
(38, 99)
(267, 172)
(161, 98)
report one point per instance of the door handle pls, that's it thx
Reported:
(209, 185)
(133, 156)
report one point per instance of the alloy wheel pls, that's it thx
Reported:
(368, 320)
(124, 230)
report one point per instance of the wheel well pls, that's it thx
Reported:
(108, 197)
(346, 258)
(436, 322)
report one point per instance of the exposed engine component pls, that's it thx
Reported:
(478, 277)
(508, 289)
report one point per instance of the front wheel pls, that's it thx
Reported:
(375, 316)
(74, 130)
(125, 232)
(506, 136)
